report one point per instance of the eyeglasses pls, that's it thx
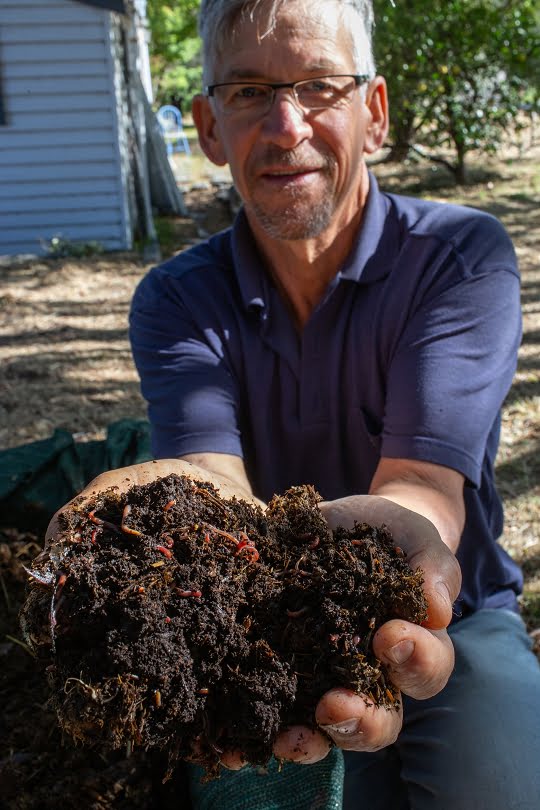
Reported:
(257, 98)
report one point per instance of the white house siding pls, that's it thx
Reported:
(61, 171)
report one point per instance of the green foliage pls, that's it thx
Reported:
(59, 247)
(171, 23)
(175, 51)
(459, 72)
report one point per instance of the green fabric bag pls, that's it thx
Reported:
(293, 787)
(38, 478)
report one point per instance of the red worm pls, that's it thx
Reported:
(99, 522)
(166, 551)
(254, 553)
(126, 529)
(195, 594)
(167, 539)
(295, 614)
(220, 531)
(249, 548)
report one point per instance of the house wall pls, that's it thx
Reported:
(61, 168)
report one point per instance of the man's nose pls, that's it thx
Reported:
(286, 122)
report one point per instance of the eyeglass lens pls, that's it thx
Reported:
(310, 94)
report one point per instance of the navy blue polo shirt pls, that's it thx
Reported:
(409, 355)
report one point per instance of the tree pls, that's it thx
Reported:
(459, 73)
(175, 51)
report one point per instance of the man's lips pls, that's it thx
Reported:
(289, 172)
(296, 169)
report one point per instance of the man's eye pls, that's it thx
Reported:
(317, 86)
(250, 91)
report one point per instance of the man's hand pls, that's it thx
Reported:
(419, 659)
(138, 474)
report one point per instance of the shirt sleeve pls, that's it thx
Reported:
(455, 362)
(191, 394)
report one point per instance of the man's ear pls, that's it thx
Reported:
(205, 121)
(377, 103)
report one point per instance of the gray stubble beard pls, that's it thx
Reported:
(292, 223)
(298, 220)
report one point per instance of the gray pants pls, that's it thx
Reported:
(474, 746)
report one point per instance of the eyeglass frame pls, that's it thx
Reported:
(359, 80)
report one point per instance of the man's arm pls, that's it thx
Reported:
(227, 466)
(431, 490)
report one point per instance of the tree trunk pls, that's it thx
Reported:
(460, 168)
(399, 152)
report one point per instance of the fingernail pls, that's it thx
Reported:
(345, 727)
(236, 766)
(400, 652)
(441, 588)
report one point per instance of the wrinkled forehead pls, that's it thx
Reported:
(258, 27)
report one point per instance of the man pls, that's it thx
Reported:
(364, 343)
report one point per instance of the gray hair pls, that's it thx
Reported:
(218, 20)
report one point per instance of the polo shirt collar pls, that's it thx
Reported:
(248, 265)
(372, 255)
(369, 260)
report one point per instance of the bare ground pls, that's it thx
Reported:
(65, 360)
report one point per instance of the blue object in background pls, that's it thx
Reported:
(170, 122)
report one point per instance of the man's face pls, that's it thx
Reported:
(298, 173)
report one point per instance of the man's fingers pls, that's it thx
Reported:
(417, 536)
(301, 745)
(233, 760)
(355, 723)
(442, 581)
(419, 661)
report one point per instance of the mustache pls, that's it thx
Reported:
(298, 159)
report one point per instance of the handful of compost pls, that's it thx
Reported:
(168, 615)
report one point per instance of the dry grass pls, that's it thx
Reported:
(65, 360)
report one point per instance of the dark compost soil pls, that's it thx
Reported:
(170, 615)
(40, 767)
